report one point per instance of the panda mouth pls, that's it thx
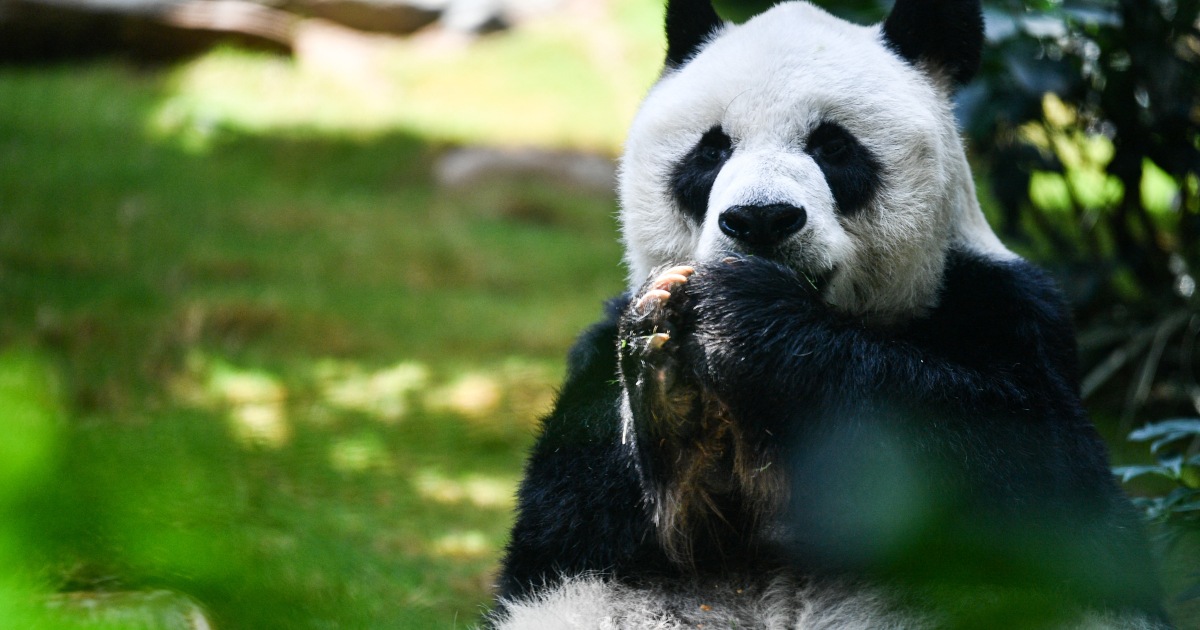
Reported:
(810, 272)
(818, 280)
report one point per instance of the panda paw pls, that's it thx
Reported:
(652, 334)
(650, 308)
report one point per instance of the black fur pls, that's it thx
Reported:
(581, 506)
(851, 171)
(972, 410)
(689, 25)
(946, 34)
(693, 177)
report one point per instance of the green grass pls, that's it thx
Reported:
(282, 372)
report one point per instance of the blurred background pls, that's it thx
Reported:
(285, 284)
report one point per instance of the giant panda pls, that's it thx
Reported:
(831, 398)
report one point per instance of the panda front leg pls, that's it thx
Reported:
(705, 484)
(659, 391)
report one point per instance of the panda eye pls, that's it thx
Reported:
(710, 154)
(832, 143)
(693, 176)
(836, 149)
(852, 172)
(715, 147)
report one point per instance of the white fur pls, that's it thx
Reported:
(592, 603)
(769, 83)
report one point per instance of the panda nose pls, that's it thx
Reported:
(762, 226)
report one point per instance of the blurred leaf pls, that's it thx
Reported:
(1128, 473)
(1167, 431)
(30, 419)
(1190, 593)
(1179, 496)
(1172, 463)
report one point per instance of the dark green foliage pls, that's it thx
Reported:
(1171, 499)
(1125, 71)
(1176, 444)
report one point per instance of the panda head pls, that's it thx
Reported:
(826, 146)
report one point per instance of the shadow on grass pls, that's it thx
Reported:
(229, 324)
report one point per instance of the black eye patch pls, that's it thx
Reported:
(692, 178)
(851, 171)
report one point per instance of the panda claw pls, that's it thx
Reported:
(669, 280)
(657, 340)
(653, 297)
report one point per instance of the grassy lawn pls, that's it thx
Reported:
(253, 353)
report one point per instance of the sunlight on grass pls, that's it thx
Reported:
(230, 90)
(258, 402)
(468, 544)
(359, 453)
(567, 80)
(516, 390)
(472, 395)
(254, 400)
(383, 394)
(479, 491)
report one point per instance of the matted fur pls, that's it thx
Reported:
(768, 83)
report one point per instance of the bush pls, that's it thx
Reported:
(1086, 119)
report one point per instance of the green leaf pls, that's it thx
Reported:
(1190, 593)
(1178, 496)
(1126, 473)
(1173, 463)
(1190, 506)
(1176, 428)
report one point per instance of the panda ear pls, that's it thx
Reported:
(946, 35)
(689, 23)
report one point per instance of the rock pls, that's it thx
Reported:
(40, 30)
(397, 17)
(46, 30)
(474, 166)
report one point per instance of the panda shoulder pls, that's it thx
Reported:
(976, 280)
(594, 349)
(1007, 299)
(592, 360)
